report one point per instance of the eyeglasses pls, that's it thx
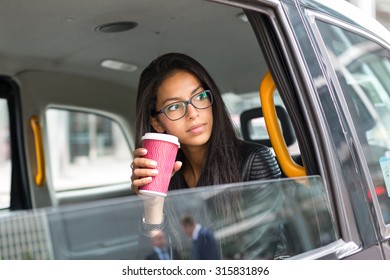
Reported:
(177, 110)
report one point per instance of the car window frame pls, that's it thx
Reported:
(20, 196)
(362, 165)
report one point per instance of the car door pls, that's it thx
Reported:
(74, 131)
(360, 62)
(305, 82)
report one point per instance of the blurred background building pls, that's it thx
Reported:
(379, 9)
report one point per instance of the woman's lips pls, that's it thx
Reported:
(196, 129)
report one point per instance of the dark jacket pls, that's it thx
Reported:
(173, 255)
(258, 162)
(205, 247)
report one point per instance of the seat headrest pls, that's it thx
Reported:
(247, 116)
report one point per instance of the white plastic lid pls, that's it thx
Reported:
(162, 137)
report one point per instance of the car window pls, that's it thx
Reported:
(264, 220)
(363, 71)
(85, 150)
(240, 103)
(5, 156)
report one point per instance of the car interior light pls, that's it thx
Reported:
(116, 27)
(118, 65)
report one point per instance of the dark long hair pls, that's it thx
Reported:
(222, 163)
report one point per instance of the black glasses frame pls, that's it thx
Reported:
(189, 101)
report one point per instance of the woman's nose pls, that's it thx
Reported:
(192, 112)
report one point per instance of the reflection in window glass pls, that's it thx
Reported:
(257, 220)
(270, 219)
(5, 156)
(363, 69)
(86, 150)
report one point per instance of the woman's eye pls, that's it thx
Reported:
(201, 96)
(174, 107)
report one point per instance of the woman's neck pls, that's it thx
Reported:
(195, 157)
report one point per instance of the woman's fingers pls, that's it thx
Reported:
(137, 183)
(140, 162)
(140, 152)
(143, 172)
(141, 177)
(143, 169)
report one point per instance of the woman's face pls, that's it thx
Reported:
(194, 129)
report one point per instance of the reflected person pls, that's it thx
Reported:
(161, 250)
(204, 244)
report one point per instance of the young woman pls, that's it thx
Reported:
(177, 96)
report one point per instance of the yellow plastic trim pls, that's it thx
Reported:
(288, 166)
(37, 131)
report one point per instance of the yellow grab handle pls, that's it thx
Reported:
(288, 166)
(37, 131)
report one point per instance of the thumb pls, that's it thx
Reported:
(176, 167)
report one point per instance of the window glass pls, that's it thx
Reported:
(363, 69)
(5, 156)
(259, 220)
(85, 150)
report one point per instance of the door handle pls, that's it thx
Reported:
(37, 131)
(289, 167)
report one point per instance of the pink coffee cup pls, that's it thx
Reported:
(163, 149)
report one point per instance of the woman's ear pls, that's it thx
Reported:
(156, 124)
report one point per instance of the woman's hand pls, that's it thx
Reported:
(144, 169)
